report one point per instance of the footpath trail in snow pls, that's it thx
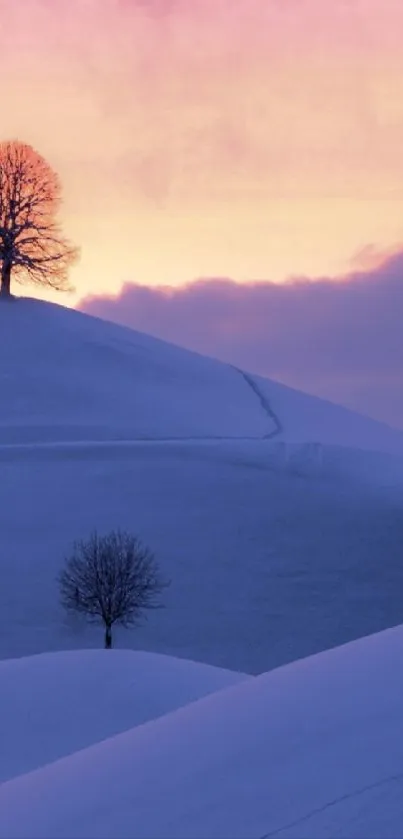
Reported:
(196, 438)
(357, 814)
(278, 426)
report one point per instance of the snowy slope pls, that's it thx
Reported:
(314, 749)
(271, 557)
(266, 566)
(54, 704)
(67, 376)
(308, 418)
(70, 376)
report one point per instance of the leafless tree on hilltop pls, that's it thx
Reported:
(32, 247)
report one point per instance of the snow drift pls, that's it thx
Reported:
(313, 749)
(54, 704)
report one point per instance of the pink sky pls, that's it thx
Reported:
(244, 138)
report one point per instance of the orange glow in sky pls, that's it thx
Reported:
(254, 139)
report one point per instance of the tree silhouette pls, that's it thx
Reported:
(111, 579)
(32, 247)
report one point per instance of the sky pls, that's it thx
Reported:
(254, 140)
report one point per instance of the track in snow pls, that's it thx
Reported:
(265, 404)
(45, 444)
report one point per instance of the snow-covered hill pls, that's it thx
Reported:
(67, 376)
(54, 704)
(313, 749)
(278, 519)
(274, 547)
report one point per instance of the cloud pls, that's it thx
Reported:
(341, 339)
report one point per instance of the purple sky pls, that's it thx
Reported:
(338, 338)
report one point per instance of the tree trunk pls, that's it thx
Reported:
(108, 637)
(5, 284)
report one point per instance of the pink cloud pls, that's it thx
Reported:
(341, 339)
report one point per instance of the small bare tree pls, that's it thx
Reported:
(32, 247)
(111, 579)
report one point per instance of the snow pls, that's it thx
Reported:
(67, 376)
(57, 703)
(265, 566)
(308, 418)
(91, 380)
(276, 549)
(277, 517)
(312, 749)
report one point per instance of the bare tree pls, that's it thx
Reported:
(111, 579)
(32, 247)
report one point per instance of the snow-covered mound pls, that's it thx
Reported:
(313, 749)
(55, 704)
(67, 376)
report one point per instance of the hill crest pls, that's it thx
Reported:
(67, 376)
